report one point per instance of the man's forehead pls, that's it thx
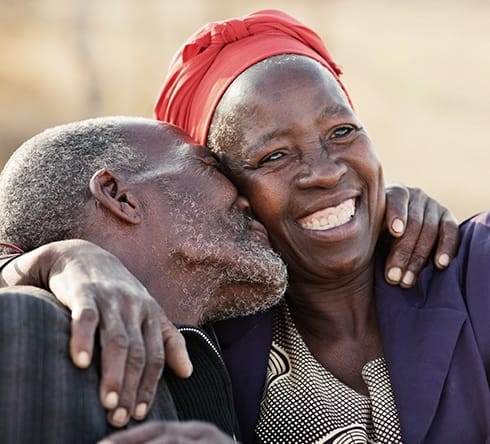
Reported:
(158, 139)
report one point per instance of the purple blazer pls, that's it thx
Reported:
(436, 342)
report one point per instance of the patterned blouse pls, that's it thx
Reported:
(304, 403)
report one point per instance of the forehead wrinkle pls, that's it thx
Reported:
(171, 163)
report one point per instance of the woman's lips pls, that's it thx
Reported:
(330, 217)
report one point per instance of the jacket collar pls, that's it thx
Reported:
(418, 344)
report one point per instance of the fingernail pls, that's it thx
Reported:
(397, 226)
(394, 274)
(140, 410)
(408, 278)
(111, 400)
(190, 369)
(83, 359)
(120, 416)
(444, 260)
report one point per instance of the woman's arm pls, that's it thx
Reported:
(135, 335)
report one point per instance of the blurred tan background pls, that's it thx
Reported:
(418, 72)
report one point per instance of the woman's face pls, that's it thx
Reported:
(295, 148)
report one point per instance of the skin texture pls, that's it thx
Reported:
(208, 260)
(298, 150)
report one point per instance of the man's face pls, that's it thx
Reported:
(197, 227)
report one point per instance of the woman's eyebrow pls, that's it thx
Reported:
(271, 135)
(336, 110)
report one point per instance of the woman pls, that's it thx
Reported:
(346, 356)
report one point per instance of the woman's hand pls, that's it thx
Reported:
(136, 337)
(418, 223)
(159, 432)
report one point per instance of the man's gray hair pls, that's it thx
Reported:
(44, 187)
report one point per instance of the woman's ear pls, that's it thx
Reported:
(112, 193)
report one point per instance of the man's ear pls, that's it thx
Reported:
(112, 193)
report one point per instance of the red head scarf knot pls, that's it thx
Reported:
(231, 31)
(218, 53)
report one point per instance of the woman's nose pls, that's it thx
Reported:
(324, 171)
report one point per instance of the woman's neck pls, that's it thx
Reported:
(344, 308)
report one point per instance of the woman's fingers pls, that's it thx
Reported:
(85, 319)
(102, 294)
(176, 356)
(153, 366)
(114, 351)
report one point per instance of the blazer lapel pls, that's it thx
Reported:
(418, 345)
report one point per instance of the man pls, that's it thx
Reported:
(140, 190)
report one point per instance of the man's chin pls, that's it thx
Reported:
(235, 301)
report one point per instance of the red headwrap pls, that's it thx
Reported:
(215, 55)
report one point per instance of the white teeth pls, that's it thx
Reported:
(344, 214)
(333, 220)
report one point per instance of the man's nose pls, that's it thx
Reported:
(243, 205)
(323, 171)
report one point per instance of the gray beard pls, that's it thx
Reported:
(225, 258)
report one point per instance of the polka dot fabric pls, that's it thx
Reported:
(305, 403)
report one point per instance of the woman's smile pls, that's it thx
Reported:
(330, 217)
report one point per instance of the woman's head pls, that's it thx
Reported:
(285, 129)
(212, 58)
(289, 139)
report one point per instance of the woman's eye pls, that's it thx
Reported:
(341, 131)
(272, 157)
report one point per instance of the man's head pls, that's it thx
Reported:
(143, 191)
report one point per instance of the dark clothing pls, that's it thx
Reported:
(44, 398)
(207, 395)
(245, 345)
(436, 343)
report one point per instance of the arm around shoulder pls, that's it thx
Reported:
(43, 396)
